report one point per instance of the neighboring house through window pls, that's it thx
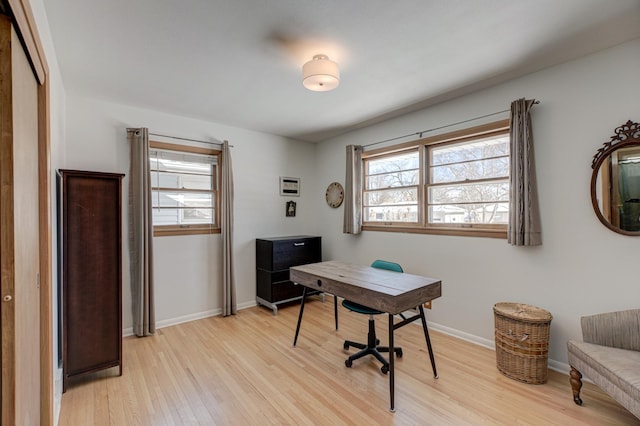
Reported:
(456, 183)
(185, 195)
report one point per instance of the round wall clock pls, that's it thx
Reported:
(335, 194)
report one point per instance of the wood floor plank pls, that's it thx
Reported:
(244, 370)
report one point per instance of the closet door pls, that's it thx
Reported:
(19, 242)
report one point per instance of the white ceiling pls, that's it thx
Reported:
(238, 62)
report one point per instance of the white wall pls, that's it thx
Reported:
(187, 273)
(581, 268)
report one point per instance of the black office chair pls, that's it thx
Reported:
(371, 347)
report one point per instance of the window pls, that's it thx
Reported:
(391, 188)
(184, 193)
(457, 183)
(469, 182)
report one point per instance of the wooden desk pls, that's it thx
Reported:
(387, 291)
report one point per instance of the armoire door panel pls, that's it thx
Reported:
(92, 273)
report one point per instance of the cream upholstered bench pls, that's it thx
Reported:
(609, 355)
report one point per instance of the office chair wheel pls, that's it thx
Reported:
(384, 369)
(348, 363)
(399, 352)
(377, 342)
(345, 346)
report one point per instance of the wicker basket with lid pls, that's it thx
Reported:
(522, 341)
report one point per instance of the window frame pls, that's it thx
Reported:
(418, 185)
(192, 229)
(497, 128)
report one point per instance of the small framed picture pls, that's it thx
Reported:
(290, 186)
(291, 209)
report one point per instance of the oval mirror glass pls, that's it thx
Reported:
(615, 182)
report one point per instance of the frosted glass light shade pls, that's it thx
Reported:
(320, 74)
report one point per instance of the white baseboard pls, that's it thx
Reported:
(558, 366)
(246, 305)
(191, 317)
(480, 341)
(57, 394)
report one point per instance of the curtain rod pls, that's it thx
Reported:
(419, 134)
(187, 139)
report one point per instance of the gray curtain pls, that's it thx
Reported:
(229, 305)
(524, 214)
(141, 234)
(353, 191)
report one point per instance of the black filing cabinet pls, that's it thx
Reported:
(274, 257)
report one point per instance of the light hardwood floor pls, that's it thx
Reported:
(243, 370)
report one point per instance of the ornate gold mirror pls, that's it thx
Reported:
(615, 182)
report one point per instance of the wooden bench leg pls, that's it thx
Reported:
(575, 378)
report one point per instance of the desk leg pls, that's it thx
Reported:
(304, 296)
(335, 309)
(426, 336)
(391, 369)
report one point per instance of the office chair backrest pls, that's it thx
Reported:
(389, 266)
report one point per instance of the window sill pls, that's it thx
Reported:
(459, 232)
(174, 231)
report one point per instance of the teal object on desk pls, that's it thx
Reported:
(389, 266)
(371, 347)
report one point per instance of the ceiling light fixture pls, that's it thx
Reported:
(320, 74)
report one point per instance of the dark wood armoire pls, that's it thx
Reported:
(90, 230)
